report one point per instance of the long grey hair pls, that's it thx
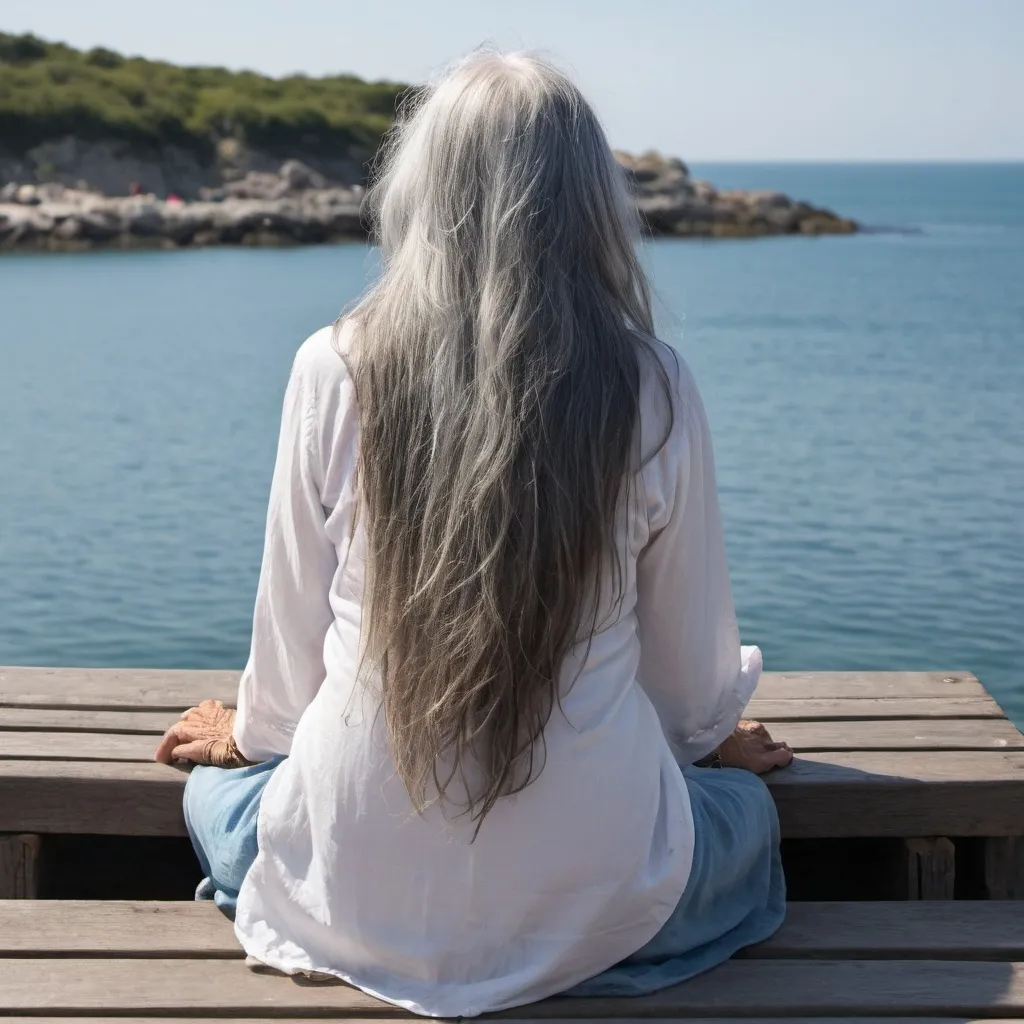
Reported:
(497, 369)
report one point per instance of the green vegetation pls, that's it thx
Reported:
(48, 90)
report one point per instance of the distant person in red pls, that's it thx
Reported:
(134, 188)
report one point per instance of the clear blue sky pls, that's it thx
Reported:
(709, 80)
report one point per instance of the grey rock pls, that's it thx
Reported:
(142, 216)
(651, 172)
(293, 178)
(704, 191)
(768, 200)
(183, 223)
(99, 225)
(68, 228)
(299, 177)
(23, 226)
(50, 192)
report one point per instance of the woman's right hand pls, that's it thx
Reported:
(751, 748)
(203, 735)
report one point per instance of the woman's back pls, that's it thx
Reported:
(562, 879)
(493, 620)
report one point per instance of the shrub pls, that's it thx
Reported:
(48, 90)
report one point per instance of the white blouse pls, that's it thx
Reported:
(566, 878)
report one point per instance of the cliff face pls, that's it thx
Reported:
(117, 167)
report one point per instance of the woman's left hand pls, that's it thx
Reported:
(751, 748)
(203, 735)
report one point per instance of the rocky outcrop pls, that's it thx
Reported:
(297, 205)
(673, 203)
(51, 217)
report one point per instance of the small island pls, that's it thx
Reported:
(98, 150)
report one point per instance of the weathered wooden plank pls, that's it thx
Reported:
(175, 689)
(937, 930)
(800, 685)
(854, 708)
(19, 867)
(76, 746)
(776, 712)
(508, 1020)
(1004, 868)
(895, 734)
(838, 794)
(116, 928)
(931, 868)
(956, 930)
(740, 987)
(900, 794)
(650, 1020)
(121, 799)
(72, 719)
(112, 688)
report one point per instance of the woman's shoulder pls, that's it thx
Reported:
(321, 358)
(666, 365)
(668, 395)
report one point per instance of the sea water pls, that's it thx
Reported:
(866, 398)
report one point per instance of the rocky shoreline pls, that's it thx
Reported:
(298, 206)
(673, 203)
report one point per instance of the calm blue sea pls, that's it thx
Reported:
(866, 396)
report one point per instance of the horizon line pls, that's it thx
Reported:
(845, 161)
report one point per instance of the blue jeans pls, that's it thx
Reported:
(220, 807)
(735, 896)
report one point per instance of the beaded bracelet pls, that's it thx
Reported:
(713, 760)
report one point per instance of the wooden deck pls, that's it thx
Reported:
(924, 761)
(148, 961)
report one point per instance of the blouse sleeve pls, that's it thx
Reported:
(692, 666)
(293, 613)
